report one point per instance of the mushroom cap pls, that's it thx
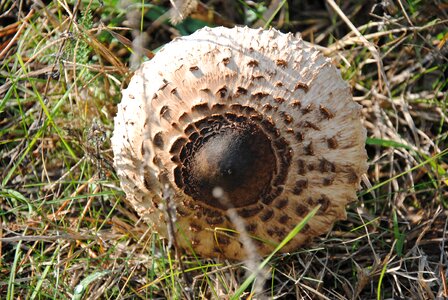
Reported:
(257, 113)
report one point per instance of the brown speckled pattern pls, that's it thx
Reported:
(287, 90)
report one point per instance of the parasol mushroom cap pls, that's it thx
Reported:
(257, 113)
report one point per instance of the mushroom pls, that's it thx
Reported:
(256, 114)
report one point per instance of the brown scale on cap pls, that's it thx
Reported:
(259, 114)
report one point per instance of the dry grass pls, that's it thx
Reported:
(65, 230)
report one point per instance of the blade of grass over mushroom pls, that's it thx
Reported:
(236, 233)
(288, 238)
(184, 236)
(198, 260)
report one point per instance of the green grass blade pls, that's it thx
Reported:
(12, 274)
(279, 7)
(289, 237)
(44, 275)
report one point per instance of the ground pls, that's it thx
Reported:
(66, 230)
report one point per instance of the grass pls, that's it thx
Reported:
(65, 229)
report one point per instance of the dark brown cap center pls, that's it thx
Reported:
(238, 159)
